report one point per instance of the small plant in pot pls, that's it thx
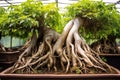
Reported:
(48, 51)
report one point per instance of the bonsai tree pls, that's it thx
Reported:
(47, 51)
(101, 22)
(107, 35)
(23, 20)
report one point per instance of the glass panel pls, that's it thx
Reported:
(15, 41)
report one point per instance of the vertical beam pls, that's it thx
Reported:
(56, 3)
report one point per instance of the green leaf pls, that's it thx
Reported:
(103, 19)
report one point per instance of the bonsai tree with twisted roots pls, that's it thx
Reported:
(49, 52)
(101, 22)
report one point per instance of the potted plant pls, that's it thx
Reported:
(7, 55)
(106, 44)
(47, 51)
(103, 26)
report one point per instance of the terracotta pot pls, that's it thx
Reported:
(55, 76)
(60, 76)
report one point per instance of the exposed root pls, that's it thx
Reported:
(106, 45)
(2, 48)
(68, 61)
(30, 47)
(61, 41)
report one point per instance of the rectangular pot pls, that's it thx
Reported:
(9, 57)
(112, 59)
(60, 76)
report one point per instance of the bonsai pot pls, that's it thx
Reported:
(10, 55)
(60, 76)
(112, 59)
(57, 76)
(7, 59)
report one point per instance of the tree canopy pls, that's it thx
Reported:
(101, 19)
(21, 20)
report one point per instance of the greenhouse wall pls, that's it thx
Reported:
(6, 41)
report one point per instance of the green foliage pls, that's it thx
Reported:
(52, 17)
(2, 11)
(21, 20)
(76, 70)
(104, 59)
(100, 19)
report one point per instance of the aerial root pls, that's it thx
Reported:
(68, 61)
(75, 57)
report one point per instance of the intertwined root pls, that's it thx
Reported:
(106, 46)
(67, 53)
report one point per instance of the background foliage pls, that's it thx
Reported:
(29, 15)
(103, 19)
(21, 20)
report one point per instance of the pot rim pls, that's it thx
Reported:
(13, 52)
(61, 75)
